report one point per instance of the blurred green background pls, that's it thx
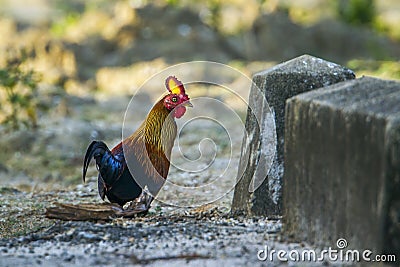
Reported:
(68, 68)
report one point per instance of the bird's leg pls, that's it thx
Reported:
(143, 202)
(138, 206)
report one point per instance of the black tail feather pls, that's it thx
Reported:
(95, 149)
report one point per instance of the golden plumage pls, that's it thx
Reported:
(152, 143)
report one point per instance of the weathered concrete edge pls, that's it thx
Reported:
(391, 146)
(249, 203)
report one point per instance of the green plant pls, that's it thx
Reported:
(174, 3)
(60, 26)
(18, 88)
(356, 12)
(215, 7)
(389, 69)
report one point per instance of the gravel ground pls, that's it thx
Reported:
(163, 240)
(205, 236)
(166, 236)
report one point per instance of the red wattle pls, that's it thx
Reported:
(179, 111)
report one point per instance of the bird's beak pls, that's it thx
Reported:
(188, 104)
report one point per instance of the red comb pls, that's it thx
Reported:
(174, 86)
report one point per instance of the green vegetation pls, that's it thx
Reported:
(19, 86)
(356, 12)
(214, 7)
(60, 26)
(382, 69)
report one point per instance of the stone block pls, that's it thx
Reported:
(277, 84)
(342, 165)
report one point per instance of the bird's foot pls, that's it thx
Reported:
(140, 205)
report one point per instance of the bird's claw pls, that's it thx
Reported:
(140, 205)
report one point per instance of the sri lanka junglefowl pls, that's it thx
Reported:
(142, 159)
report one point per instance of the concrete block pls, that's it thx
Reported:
(342, 165)
(277, 84)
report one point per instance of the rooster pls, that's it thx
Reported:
(141, 160)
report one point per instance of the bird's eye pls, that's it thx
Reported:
(174, 99)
